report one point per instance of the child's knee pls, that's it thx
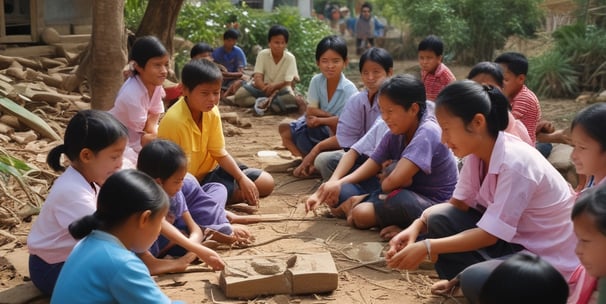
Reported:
(265, 184)
(362, 216)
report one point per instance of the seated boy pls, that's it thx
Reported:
(233, 59)
(274, 76)
(524, 103)
(434, 74)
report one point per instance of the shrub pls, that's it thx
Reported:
(553, 75)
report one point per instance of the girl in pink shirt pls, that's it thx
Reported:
(508, 199)
(139, 102)
(589, 157)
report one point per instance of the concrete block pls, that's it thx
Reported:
(247, 277)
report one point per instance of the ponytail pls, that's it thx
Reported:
(53, 159)
(466, 98)
(88, 129)
(498, 117)
(83, 227)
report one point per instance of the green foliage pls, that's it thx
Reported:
(553, 75)
(207, 23)
(471, 29)
(133, 13)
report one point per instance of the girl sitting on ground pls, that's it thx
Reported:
(589, 157)
(508, 198)
(94, 142)
(423, 170)
(191, 205)
(103, 268)
(139, 104)
(328, 92)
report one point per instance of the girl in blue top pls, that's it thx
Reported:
(103, 267)
(328, 92)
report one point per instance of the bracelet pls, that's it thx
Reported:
(428, 246)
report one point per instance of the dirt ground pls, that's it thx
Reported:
(300, 233)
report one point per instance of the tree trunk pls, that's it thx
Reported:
(160, 20)
(107, 53)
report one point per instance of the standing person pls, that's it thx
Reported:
(94, 143)
(366, 28)
(194, 123)
(103, 268)
(423, 170)
(434, 73)
(508, 198)
(139, 102)
(360, 112)
(328, 93)
(274, 76)
(192, 206)
(525, 105)
(589, 218)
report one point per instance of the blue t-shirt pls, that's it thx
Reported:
(101, 270)
(233, 61)
(438, 168)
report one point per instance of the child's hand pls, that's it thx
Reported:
(249, 190)
(330, 193)
(311, 203)
(214, 261)
(313, 121)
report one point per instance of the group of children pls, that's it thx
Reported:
(387, 154)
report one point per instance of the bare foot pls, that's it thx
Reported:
(344, 209)
(388, 232)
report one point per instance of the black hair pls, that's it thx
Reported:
(123, 194)
(524, 278)
(467, 98)
(515, 62)
(432, 43)
(200, 48)
(231, 34)
(145, 48)
(404, 90)
(277, 30)
(593, 121)
(366, 5)
(591, 201)
(489, 68)
(88, 129)
(378, 55)
(200, 71)
(161, 159)
(333, 42)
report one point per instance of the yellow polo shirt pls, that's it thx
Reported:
(202, 143)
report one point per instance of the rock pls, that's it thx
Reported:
(6, 129)
(5, 138)
(583, 98)
(50, 36)
(24, 137)
(601, 97)
(307, 273)
(12, 121)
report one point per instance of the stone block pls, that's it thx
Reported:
(247, 277)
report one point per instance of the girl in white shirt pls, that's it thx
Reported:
(94, 143)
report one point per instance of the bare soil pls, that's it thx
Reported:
(358, 283)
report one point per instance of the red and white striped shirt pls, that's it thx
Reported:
(436, 81)
(525, 107)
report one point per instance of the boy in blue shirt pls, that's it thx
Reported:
(233, 59)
